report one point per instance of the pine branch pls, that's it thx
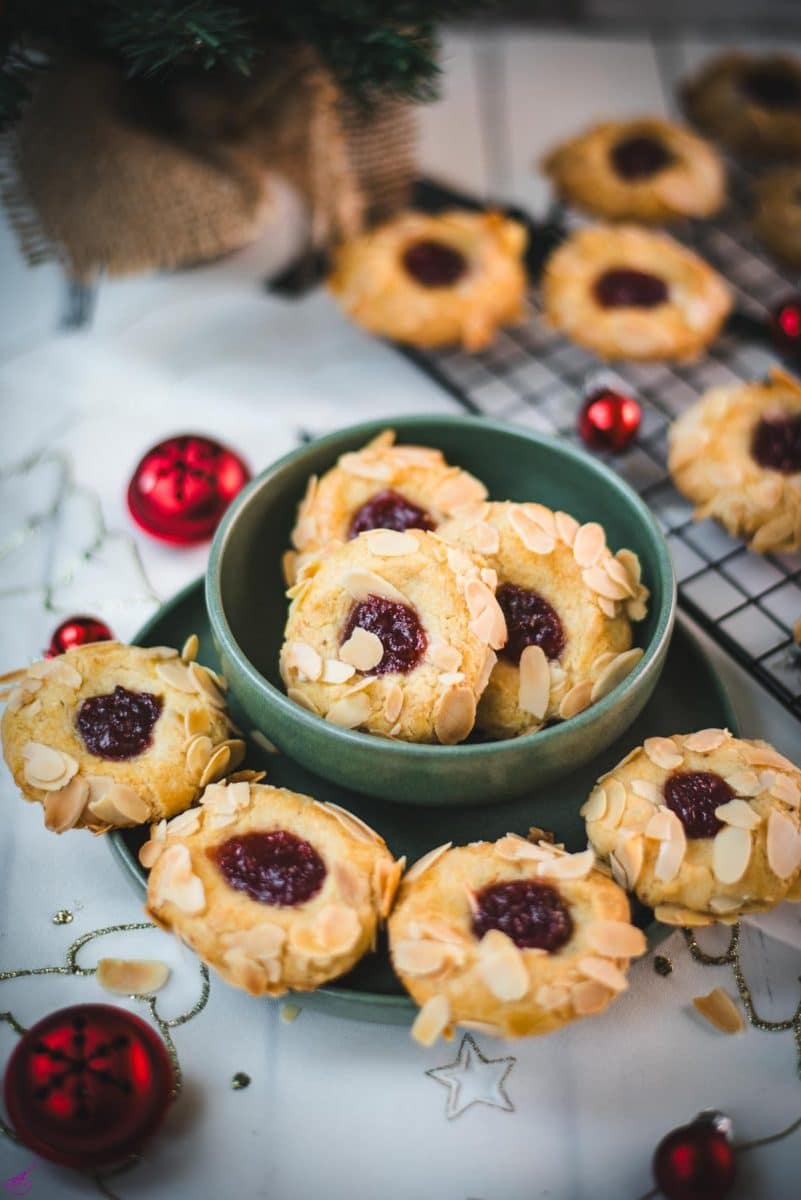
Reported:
(150, 38)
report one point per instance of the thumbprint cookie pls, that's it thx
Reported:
(749, 102)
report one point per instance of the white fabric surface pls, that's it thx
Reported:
(336, 1108)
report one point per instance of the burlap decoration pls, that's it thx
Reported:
(112, 184)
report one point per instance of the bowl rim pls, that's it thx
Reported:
(221, 628)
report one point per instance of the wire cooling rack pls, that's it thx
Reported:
(530, 375)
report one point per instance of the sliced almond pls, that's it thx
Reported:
(412, 957)
(390, 543)
(335, 671)
(629, 854)
(744, 783)
(739, 813)
(63, 809)
(458, 490)
(535, 682)
(444, 656)
(216, 766)
(616, 939)
(589, 544)
(502, 966)
(647, 791)
(568, 866)
(197, 721)
(490, 659)
(208, 684)
(617, 670)
(615, 802)
(725, 904)
(766, 756)
(604, 972)
(783, 845)
(303, 658)
(263, 942)
(46, 767)
(478, 597)
(531, 533)
(131, 976)
(387, 877)
(594, 809)
(354, 825)
(566, 527)
(127, 801)
(731, 853)
(607, 607)
(490, 626)
(175, 674)
(619, 575)
(198, 752)
(588, 997)
(428, 860)
(364, 467)
(177, 883)
(350, 711)
(152, 850)
(432, 1020)
(552, 996)
(393, 703)
(786, 790)
(514, 848)
(576, 700)
(361, 685)
(363, 650)
(337, 928)
(675, 914)
(455, 715)
(598, 580)
(485, 537)
(662, 752)
(706, 740)
(190, 648)
(185, 823)
(57, 670)
(361, 583)
(631, 563)
(720, 1010)
(602, 662)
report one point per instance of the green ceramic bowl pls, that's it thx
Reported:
(247, 611)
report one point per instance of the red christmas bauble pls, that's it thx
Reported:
(785, 326)
(609, 420)
(183, 486)
(696, 1161)
(77, 631)
(86, 1086)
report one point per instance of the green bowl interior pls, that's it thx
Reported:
(514, 464)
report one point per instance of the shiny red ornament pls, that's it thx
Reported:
(78, 631)
(609, 420)
(183, 486)
(86, 1086)
(785, 326)
(697, 1161)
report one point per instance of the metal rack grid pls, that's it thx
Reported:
(533, 376)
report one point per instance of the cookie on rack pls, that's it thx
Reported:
(107, 735)
(568, 603)
(647, 169)
(702, 827)
(777, 214)
(434, 280)
(509, 938)
(394, 633)
(626, 292)
(736, 453)
(749, 102)
(381, 486)
(272, 889)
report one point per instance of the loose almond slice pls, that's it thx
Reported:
(131, 976)
(720, 1010)
(604, 972)
(739, 813)
(576, 700)
(63, 809)
(589, 996)
(390, 543)
(783, 845)
(363, 650)
(432, 1020)
(413, 957)
(662, 752)
(350, 711)
(731, 853)
(417, 869)
(616, 939)
(361, 583)
(502, 966)
(706, 740)
(535, 682)
(455, 715)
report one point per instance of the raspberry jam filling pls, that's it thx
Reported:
(398, 628)
(389, 510)
(274, 868)
(772, 85)
(532, 914)
(530, 621)
(776, 444)
(693, 796)
(434, 264)
(120, 724)
(625, 288)
(640, 157)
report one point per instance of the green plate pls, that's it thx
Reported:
(689, 696)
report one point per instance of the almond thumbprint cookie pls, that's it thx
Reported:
(626, 292)
(381, 486)
(272, 889)
(702, 827)
(108, 735)
(456, 277)
(737, 455)
(749, 102)
(647, 169)
(509, 938)
(394, 633)
(568, 603)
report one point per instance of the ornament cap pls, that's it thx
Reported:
(719, 1121)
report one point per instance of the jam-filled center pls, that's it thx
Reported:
(434, 264)
(693, 796)
(530, 621)
(532, 914)
(772, 85)
(623, 287)
(119, 724)
(398, 628)
(776, 443)
(389, 510)
(274, 868)
(640, 156)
